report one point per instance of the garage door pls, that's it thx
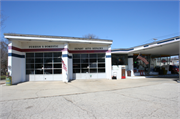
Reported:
(89, 66)
(43, 66)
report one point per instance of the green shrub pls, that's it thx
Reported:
(3, 77)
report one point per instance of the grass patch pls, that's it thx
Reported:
(3, 77)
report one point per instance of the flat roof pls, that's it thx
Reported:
(169, 46)
(59, 37)
(145, 45)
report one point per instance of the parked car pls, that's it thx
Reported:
(174, 69)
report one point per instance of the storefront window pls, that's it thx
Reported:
(89, 63)
(119, 59)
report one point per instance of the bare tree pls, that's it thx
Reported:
(90, 36)
(3, 48)
(4, 56)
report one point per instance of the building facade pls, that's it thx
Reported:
(38, 58)
(54, 58)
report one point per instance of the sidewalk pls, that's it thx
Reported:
(2, 82)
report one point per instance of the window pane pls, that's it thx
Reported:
(84, 55)
(76, 70)
(84, 60)
(38, 71)
(30, 61)
(76, 60)
(101, 60)
(29, 71)
(93, 65)
(57, 71)
(38, 54)
(57, 54)
(93, 55)
(101, 65)
(29, 66)
(101, 55)
(29, 55)
(84, 65)
(101, 70)
(84, 70)
(57, 59)
(47, 60)
(40, 66)
(48, 71)
(93, 60)
(47, 54)
(76, 55)
(93, 70)
(76, 65)
(119, 59)
(39, 60)
(57, 65)
(47, 65)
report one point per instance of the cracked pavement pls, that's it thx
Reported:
(155, 101)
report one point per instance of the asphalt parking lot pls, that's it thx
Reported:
(94, 99)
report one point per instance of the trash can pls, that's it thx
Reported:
(129, 73)
(123, 76)
(114, 75)
(8, 81)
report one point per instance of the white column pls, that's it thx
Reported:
(65, 59)
(10, 59)
(16, 63)
(108, 63)
(130, 64)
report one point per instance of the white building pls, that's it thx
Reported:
(38, 58)
(41, 58)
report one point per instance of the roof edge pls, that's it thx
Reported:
(49, 36)
(127, 49)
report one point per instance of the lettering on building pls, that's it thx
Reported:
(89, 48)
(44, 46)
(97, 48)
(78, 48)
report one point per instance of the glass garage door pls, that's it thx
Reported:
(43, 65)
(89, 65)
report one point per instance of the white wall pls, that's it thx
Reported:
(65, 59)
(130, 64)
(16, 65)
(117, 71)
(10, 60)
(108, 63)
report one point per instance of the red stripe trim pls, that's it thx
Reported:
(57, 49)
(65, 49)
(36, 50)
(14, 48)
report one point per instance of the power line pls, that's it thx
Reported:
(160, 37)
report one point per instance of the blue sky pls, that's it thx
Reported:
(128, 23)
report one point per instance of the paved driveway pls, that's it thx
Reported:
(92, 99)
(55, 88)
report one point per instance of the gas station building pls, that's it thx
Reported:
(50, 58)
